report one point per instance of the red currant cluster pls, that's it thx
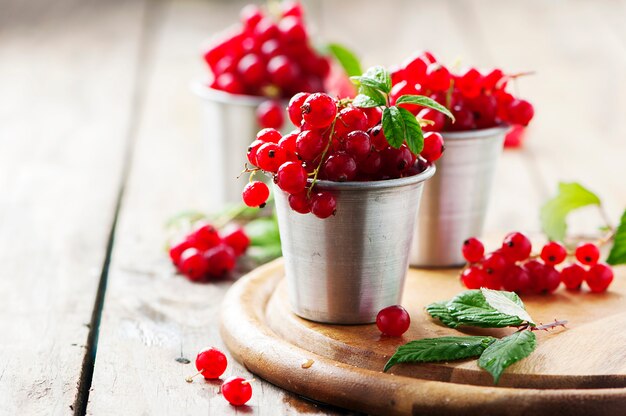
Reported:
(513, 268)
(267, 57)
(206, 254)
(477, 100)
(335, 141)
(212, 363)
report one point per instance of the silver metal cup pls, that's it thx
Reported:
(344, 269)
(455, 202)
(230, 125)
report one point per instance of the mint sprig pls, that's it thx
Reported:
(399, 125)
(483, 308)
(618, 251)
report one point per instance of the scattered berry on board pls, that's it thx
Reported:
(393, 321)
(237, 390)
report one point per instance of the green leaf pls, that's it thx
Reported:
(439, 349)
(376, 77)
(440, 311)
(507, 302)
(393, 126)
(413, 134)
(570, 197)
(263, 232)
(365, 101)
(346, 58)
(263, 254)
(506, 351)
(424, 102)
(618, 251)
(471, 308)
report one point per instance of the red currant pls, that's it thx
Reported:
(238, 240)
(193, 264)
(494, 79)
(438, 119)
(516, 246)
(553, 253)
(294, 109)
(587, 253)
(269, 114)
(177, 249)
(599, 277)
(433, 146)
(371, 164)
(211, 363)
(291, 8)
(323, 205)
(288, 144)
(520, 112)
(237, 391)
(319, 110)
(251, 69)
(515, 279)
(377, 136)
(253, 150)
(269, 135)
(250, 16)
(437, 77)
(282, 71)
(494, 262)
(470, 83)
(255, 194)
(310, 144)
(291, 177)
(220, 260)
(229, 83)
(393, 320)
(572, 276)
(270, 156)
(358, 144)
(373, 114)
(300, 202)
(205, 237)
(292, 29)
(473, 250)
(339, 167)
(397, 161)
(473, 277)
(350, 119)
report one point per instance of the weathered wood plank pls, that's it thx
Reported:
(67, 79)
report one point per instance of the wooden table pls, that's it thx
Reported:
(100, 143)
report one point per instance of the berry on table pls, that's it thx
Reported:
(176, 250)
(193, 264)
(516, 279)
(516, 246)
(572, 276)
(473, 250)
(473, 277)
(393, 320)
(553, 253)
(220, 260)
(237, 390)
(495, 262)
(237, 239)
(211, 363)
(255, 194)
(599, 277)
(587, 253)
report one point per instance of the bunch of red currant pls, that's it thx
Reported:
(512, 267)
(477, 100)
(212, 363)
(335, 141)
(266, 56)
(206, 253)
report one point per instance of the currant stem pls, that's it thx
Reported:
(317, 169)
(551, 325)
(248, 381)
(189, 379)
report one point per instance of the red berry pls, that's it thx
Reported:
(350, 119)
(177, 249)
(323, 205)
(211, 362)
(515, 279)
(282, 71)
(572, 276)
(587, 253)
(291, 177)
(437, 77)
(464, 119)
(251, 69)
(438, 119)
(220, 260)
(253, 150)
(292, 30)
(473, 277)
(494, 80)
(238, 240)
(433, 146)
(494, 262)
(553, 253)
(291, 8)
(319, 110)
(393, 321)
(599, 277)
(520, 112)
(237, 391)
(300, 203)
(378, 139)
(205, 237)
(193, 264)
(470, 83)
(415, 69)
(269, 135)
(543, 278)
(370, 165)
(266, 29)
(269, 114)
(229, 83)
(255, 194)
(310, 144)
(473, 250)
(397, 161)
(358, 144)
(552, 279)
(270, 156)
(250, 16)
(373, 114)
(294, 109)
(516, 246)
(339, 167)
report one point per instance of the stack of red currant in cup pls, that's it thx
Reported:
(514, 268)
(478, 100)
(268, 55)
(333, 141)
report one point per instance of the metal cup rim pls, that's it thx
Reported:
(382, 184)
(476, 134)
(203, 91)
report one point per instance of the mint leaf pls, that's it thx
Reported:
(507, 302)
(618, 251)
(471, 308)
(413, 134)
(393, 126)
(364, 101)
(439, 349)
(506, 351)
(369, 97)
(346, 58)
(424, 102)
(570, 197)
(376, 77)
(440, 311)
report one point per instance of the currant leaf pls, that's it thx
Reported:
(393, 126)
(506, 351)
(439, 349)
(570, 197)
(424, 102)
(440, 311)
(618, 251)
(369, 97)
(414, 136)
(346, 58)
(507, 302)
(376, 77)
(472, 309)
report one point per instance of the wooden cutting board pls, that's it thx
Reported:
(577, 370)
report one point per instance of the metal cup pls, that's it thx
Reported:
(345, 268)
(455, 202)
(230, 125)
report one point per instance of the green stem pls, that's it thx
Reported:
(319, 165)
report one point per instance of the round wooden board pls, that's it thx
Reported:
(578, 370)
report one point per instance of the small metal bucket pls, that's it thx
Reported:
(455, 202)
(230, 125)
(344, 269)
